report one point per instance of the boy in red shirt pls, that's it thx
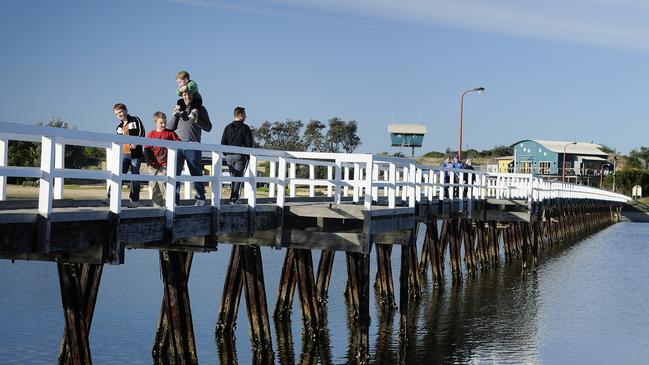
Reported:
(156, 157)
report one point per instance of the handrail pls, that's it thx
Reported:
(368, 179)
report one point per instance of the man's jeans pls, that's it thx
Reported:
(236, 166)
(193, 159)
(134, 165)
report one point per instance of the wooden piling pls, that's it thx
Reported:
(384, 285)
(255, 293)
(163, 351)
(469, 245)
(303, 264)
(404, 292)
(231, 295)
(286, 289)
(358, 272)
(436, 257)
(89, 284)
(325, 267)
(178, 309)
(75, 313)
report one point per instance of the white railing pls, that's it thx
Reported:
(365, 178)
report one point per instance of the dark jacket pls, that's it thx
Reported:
(135, 128)
(237, 134)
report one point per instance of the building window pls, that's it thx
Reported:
(544, 167)
(526, 167)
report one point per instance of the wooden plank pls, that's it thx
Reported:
(348, 242)
(494, 215)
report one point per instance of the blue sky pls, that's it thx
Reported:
(564, 70)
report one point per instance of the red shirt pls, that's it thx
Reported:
(160, 153)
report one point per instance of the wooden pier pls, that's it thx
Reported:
(357, 204)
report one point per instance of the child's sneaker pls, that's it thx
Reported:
(199, 202)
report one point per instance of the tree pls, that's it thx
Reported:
(313, 138)
(342, 136)
(279, 135)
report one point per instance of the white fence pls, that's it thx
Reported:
(365, 178)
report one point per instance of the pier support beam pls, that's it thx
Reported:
(176, 316)
(358, 273)
(384, 285)
(325, 267)
(79, 287)
(245, 271)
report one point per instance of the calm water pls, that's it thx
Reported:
(588, 303)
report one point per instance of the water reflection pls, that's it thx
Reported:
(585, 302)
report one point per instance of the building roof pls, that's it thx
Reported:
(505, 158)
(581, 148)
(407, 128)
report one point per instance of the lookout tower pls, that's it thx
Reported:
(407, 135)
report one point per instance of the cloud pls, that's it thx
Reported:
(605, 23)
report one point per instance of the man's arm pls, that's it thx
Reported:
(203, 120)
(248, 138)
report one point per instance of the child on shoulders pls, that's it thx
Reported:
(186, 83)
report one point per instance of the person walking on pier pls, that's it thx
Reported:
(188, 127)
(131, 153)
(237, 133)
(156, 157)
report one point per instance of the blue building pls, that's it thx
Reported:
(583, 160)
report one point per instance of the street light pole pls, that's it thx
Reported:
(563, 173)
(479, 90)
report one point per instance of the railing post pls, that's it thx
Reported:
(311, 177)
(45, 183)
(216, 179)
(392, 189)
(357, 176)
(59, 163)
(4, 161)
(418, 180)
(375, 177)
(170, 189)
(346, 178)
(412, 180)
(337, 190)
(369, 174)
(187, 185)
(250, 185)
(115, 183)
(442, 188)
(386, 178)
(273, 174)
(281, 181)
(291, 176)
(405, 189)
(483, 190)
(330, 175)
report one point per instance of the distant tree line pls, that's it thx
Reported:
(498, 151)
(337, 136)
(28, 154)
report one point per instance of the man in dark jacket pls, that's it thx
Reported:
(132, 155)
(238, 134)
